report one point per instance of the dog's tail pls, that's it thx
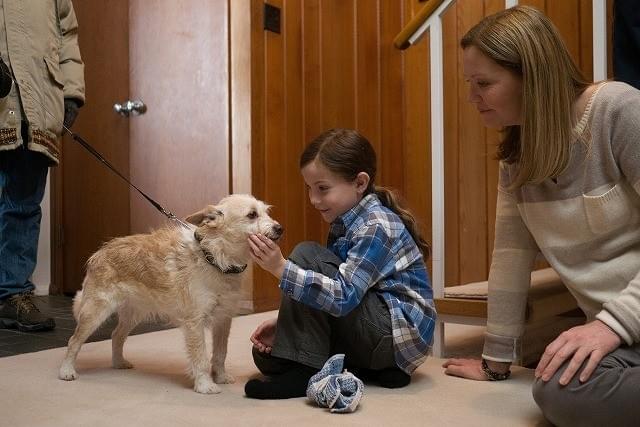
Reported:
(77, 303)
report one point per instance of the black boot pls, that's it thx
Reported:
(292, 383)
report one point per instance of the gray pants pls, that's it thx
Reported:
(609, 398)
(310, 336)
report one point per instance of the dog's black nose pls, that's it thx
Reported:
(277, 230)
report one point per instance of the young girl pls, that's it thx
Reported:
(367, 295)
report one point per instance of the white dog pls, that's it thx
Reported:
(189, 276)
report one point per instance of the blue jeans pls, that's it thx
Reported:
(23, 176)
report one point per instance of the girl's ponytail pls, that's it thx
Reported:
(390, 200)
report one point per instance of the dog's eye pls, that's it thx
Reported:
(252, 215)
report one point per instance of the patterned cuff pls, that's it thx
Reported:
(292, 276)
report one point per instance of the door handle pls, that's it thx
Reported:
(135, 107)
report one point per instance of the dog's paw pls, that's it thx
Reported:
(223, 378)
(206, 386)
(121, 364)
(67, 373)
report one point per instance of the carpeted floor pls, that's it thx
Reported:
(158, 393)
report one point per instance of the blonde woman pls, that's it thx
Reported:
(569, 188)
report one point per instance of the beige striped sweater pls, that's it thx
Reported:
(587, 226)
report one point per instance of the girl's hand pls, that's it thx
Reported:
(267, 254)
(264, 335)
(472, 368)
(592, 341)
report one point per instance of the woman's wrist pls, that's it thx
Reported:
(500, 367)
(496, 371)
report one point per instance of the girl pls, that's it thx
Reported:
(368, 295)
(569, 187)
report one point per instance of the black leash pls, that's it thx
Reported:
(77, 138)
(99, 156)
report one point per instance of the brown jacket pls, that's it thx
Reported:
(39, 42)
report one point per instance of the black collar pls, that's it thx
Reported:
(234, 269)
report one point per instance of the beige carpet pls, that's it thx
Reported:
(157, 393)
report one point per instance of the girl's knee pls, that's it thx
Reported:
(305, 250)
(312, 256)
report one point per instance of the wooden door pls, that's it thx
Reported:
(179, 69)
(173, 55)
(91, 204)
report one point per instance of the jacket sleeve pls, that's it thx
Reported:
(514, 254)
(71, 63)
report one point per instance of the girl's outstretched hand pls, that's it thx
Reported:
(264, 335)
(267, 254)
(465, 368)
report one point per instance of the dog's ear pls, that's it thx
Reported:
(208, 214)
(196, 218)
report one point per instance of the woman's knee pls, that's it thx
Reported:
(564, 405)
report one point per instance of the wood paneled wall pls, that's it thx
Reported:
(334, 65)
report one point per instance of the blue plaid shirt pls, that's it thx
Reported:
(378, 253)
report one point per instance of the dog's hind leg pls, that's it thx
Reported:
(220, 337)
(196, 349)
(90, 316)
(126, 322)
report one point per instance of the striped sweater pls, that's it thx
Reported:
(586, 224)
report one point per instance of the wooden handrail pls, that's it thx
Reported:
(401, 41)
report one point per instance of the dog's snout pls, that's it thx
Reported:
(277, 230)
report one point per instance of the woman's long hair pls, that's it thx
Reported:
(346, 153)
(523, 40)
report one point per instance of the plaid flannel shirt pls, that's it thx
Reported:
(378, 253)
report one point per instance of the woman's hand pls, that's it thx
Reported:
(472, 368)
(592, 341)
(264, 335)
(267, 254)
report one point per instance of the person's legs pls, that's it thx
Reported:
(303, 335)
(23, 175)
(609, 397)
(365, 336)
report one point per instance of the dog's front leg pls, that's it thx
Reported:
(220, 337)
(200, 366)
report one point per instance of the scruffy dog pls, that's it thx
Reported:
(189, 276)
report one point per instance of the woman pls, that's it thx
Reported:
(569, 187)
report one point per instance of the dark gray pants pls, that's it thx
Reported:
(310, 336)
(608, 398)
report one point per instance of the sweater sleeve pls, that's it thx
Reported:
(71, 63)
(622, 313)
(514, 254)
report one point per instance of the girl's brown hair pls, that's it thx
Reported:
(523, 40)
(346, 153)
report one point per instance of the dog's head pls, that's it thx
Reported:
(224, 228)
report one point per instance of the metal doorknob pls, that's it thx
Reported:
(135, 107)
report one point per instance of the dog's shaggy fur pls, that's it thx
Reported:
(177, 274)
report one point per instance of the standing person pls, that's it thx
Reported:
(626, 42)
(39, 42)
(569, 187)
(367, 294)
